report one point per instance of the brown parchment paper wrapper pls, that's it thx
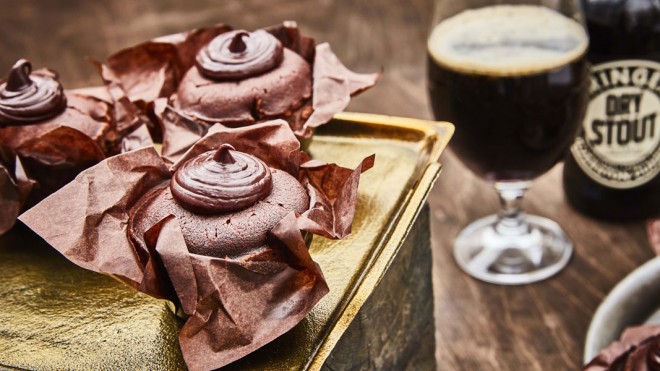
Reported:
(15, 188)
(154, 69)
(39, 158)
(234, 306)
(615, 355)
(10, 202)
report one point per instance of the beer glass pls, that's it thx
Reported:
(513, 78)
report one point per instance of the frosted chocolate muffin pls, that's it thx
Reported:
(220, 233)
(48, 135)
(241, 78)
(58, 133)
(189, 81)
(226, 203)
(637, 350)
(34, 103)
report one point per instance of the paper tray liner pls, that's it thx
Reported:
(58, 316)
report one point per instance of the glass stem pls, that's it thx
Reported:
(511, 219)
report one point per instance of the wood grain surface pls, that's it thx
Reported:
(479, 326)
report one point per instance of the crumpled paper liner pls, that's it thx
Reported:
(40, 158)
(614, 356)
(154, 69)
(13, 195)
(234, 305)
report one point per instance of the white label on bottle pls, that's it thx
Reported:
(619, 144)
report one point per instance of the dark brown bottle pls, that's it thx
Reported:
(613, 169)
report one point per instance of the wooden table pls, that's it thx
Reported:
(479, 326)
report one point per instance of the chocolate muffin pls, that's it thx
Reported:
(48, 135)
(148, 223)
(189, 81)
(226, 203)
(34, 103)
(638, 350)
(241, 78)
(53, 132)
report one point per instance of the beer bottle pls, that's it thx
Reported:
(612, 170)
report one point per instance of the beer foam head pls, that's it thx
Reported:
(507, 40)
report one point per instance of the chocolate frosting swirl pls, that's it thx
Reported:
(26, 98)
(239, 54)
(221, 181)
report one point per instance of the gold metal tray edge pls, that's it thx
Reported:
(440, 133)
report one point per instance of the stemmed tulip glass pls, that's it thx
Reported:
(513, 78)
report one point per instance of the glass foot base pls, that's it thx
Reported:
(512, 259)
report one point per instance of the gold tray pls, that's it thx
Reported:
(57, 316)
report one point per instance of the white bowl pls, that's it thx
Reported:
(633, 301)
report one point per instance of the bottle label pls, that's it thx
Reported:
(619, 144)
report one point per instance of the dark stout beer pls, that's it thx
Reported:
(513, 79)
(613, 170)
